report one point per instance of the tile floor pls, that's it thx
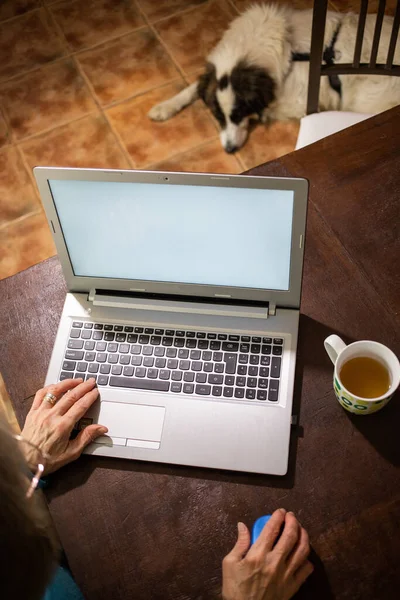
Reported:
(76, 81)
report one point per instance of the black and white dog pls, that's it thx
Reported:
(260, 68)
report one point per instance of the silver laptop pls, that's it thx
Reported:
(183, 302)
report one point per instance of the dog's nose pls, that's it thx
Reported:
(231, 148)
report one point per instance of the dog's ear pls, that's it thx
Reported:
(253, 85)
(207, 85)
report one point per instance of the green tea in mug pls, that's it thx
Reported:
(365, 377)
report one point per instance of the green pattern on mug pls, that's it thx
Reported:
(361, 407)
(346, 401)
(337, 384)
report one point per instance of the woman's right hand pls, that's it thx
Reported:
(269, 570)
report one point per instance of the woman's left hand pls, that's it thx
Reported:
(49, 426)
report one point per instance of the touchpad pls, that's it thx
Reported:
(137, 421)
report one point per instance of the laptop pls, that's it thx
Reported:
(183, 302)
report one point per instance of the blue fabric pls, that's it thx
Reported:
(63, 587)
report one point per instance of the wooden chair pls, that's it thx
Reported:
(318, 125)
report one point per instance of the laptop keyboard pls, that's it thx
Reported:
(219, 365)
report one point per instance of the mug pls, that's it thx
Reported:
(339, 353)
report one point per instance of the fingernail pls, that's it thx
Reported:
(241, 527)
(103, 430)
(291, 513)
(283, 511)
(91, 379)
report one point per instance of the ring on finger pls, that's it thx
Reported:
(50, 398)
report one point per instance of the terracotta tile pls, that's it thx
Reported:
(17, 194)
(24, 244)
(190, 36)
(94, 21)
(149, 142)
(46, 98)
(158, 10)
(4, 132)
(88, 142)
(354, 6)
(209, 158)
(12, 8)
(267, 142)
(129, 66)
(27, 42)
(242, 5)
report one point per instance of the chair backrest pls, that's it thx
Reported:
(320, 66)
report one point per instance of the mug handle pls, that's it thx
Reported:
(334, 346)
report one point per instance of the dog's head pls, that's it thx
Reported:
(235, 97)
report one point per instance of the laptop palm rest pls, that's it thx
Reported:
(130, 424)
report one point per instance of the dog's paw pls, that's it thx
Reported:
(161, 112)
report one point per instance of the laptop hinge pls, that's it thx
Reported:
(180, 306)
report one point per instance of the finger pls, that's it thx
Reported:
(270, 532)
(242, 543)
(302, 574)
(80, 407)
(289, 537)
(300, 552)
(73, 395)
(57, 389)
(85, 437)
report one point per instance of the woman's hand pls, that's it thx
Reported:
(267, 571)
(49, 426)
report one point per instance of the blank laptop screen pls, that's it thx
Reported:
(220, 236)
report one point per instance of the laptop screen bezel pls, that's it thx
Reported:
(285, 298)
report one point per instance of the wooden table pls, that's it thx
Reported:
(143, 531)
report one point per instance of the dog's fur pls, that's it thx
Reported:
(251, 71)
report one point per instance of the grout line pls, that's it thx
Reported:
(19, 220)
(184, 11)
(241, 162)
(181, 153)
(105, 116)
(30, 172)
(235, 8)
(21, 15)
(177, 79)
(53, 128)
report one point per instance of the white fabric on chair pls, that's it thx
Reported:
(319, 125)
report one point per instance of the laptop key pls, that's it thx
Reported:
(251, 394)
(140, 384)
(167, 341)
(188, 376)
(242, 370)
(244, 348)
(155, 340)
(138, 329)
(128, 329)
(107, 327)
(191, 343)
(86, 334)
(255, 348)
(219, 368)
(149, 330)
(229, 380)
(64, 375)
(115, 369)
(77, 324)
(202, 344)
(112, 359)
(93, 368)
(239, 393)
(188, 388)
(159, 351)
(190, 334)
(136, 349)
(128, 371)
(267, 340)
(124, 359)
(170, 332)
(109, 336)
(200, 335)
(184, 365)
(120, 337)
(263, 383)
(264, 372)
(172, 363)
(75, 333)
(147, 350)
(278, 341)
(74, 354)
(141, 372)
(148, 361)
(252, 382)
(171, 352)
(273, 390)
(160, 363)
(69, 365)
(254, 359)
(230, 346)
(228, 392)
(100, 346)
(90, 356)
(277, 350)
(164, 374)
(215, 345)
(201, 378)
(180, 333)
(176, 375)
(89, 345)
(206, 355)
(152, 373)
(112, 347)
(233, 338)
(195, 354)
(101, 357)
(183, 353)
(97, 335)
(230, 362)
(179, 342)
(276, 366)
(243, 359)
(241, 381)
(197, 365)
(211, 336)
(215, 379)
(253, 371)
(262, 395)
(266, 349)
(105, 369)
(176, 387)
(118, 328)
(217, 391)
(132, 338)
(265, 361)
(75, 344)
(102, 380)
(144, 339)
(245, 338)
(218, 356)
(222, 336)
(88, 326)
(159, 331)
(203, 390)
(123, 348)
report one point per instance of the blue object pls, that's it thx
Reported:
(63, 587)
(258, 527)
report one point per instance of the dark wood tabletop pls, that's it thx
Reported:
(136, 530)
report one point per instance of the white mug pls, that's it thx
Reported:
(339, 353)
